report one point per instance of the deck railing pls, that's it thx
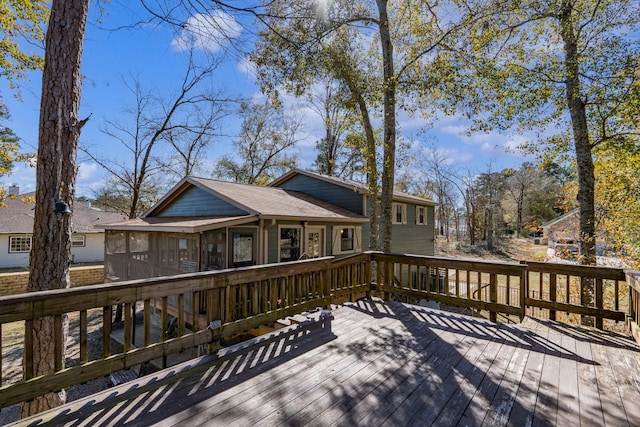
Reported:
(237, 300)
(209, 306)
(507, 290)
(633, 279)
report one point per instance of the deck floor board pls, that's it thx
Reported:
(386, 364)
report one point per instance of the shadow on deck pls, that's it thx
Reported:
(386, 364)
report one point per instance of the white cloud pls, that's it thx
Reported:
(23, 176)
(207, 32)
(248, 68)
(87, 171)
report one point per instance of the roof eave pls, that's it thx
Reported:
(314, 219)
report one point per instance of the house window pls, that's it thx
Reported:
(243, 248)
(399, 213)
(421, 215)
(290, 244)
(346, 239)
(19, 244)
(78, 240)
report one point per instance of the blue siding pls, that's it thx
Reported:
(332, 193)
(198, 202)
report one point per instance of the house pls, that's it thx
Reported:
(413, 217)
(16, 227)
(563, 229)
(204, 224)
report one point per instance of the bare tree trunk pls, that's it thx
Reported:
(389, 123)
(584, 157)
(56, 175)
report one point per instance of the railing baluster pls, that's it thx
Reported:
(553, 293)
(599, 302)
(195, 311)
(107, 316)
(147, 323)
(84, 327)
(493, 295)
(181, 319)
(128, 326)
(59, 345)
(28, 350)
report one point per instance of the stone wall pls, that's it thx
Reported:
(16, 283)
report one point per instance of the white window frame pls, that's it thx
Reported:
(29, 238)
(425, 214)
(300, 239)
(78, 240)
(337, 239)
(403, 213)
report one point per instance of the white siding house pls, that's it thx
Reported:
(16, 226)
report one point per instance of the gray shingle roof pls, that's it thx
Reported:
(17, 217)
(354, 185)
(276, 202)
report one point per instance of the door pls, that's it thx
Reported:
(315, 242)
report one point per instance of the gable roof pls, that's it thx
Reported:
(561, 218)
(356, 186)
(258, 202)
(17, 217)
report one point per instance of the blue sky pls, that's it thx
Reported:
(114, 51)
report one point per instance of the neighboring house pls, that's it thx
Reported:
(204, 224)
(563, 229)
(16, 227)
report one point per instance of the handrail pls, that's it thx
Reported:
(633, 279)
(218, 304)
(239, 299)
(610, 294)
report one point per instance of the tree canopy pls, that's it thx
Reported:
(562, 68)
(21, 23)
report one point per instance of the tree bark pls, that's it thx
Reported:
(56, 175)
(389, 125)
(584, 157)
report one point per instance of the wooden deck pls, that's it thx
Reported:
(387, 364)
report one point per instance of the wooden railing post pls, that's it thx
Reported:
(388, 277)
(599, 301)
(326, 279)
(553, 292)
(493, 296)
(524, 290)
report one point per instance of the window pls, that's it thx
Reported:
(77, 240)
(421, 215)
(243, 248)
(399, 213)
(346, 239)
(290, 244)
(19, 244)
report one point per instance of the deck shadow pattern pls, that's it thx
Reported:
(387, 363)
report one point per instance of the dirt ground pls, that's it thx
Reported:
(512, 249)
(12, 359)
